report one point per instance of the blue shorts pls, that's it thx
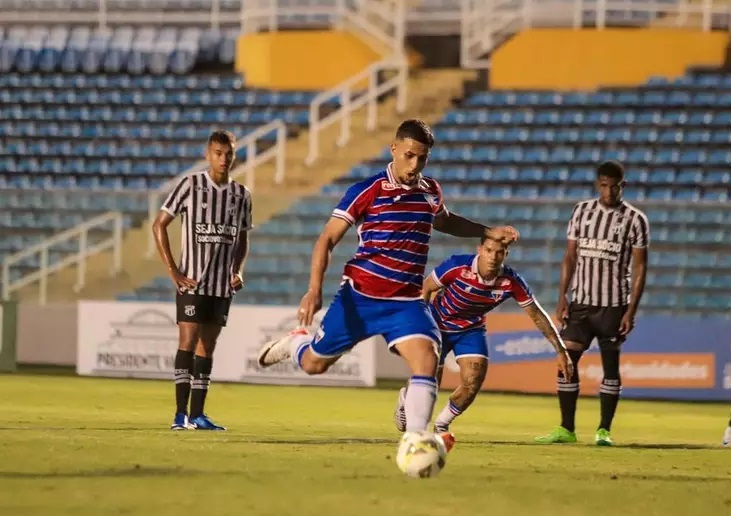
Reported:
(470, 343)
(353, 317)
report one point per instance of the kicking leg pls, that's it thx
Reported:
(472, 371)
(297, 347)
(187, 338)
(202, 367)
(340, 330)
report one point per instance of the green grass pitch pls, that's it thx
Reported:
(82, 446)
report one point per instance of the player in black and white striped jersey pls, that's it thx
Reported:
(605, 236)
(216, 218)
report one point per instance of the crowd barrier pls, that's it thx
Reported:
(678, 358)
(663, 358)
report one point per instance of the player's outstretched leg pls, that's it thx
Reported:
(609, 390)
(472, 371)
(202, 367)
(727, 436)
(283, 348)
(568, 395)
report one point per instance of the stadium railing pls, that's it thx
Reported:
(351, 98)
(381, 25)
(380, 22)
(254, 158)
(487, 23)
(87, 248)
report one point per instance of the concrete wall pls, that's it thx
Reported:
(47, 335)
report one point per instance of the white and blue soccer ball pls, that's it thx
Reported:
(421, 454)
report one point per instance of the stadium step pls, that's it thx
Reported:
(430, 93)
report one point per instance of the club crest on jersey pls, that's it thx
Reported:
(497, 295)
(469, 275)
(432, 199)
(618, 226)
(190, 310)
(232, 210)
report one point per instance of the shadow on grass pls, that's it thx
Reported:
(128, 472)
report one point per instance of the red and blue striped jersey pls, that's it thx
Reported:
(466, 297)
(395, 223)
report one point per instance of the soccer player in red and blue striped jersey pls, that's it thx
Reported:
(381, 293)
(467, 287)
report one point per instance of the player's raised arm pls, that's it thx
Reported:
(544, 324)
(459, 226)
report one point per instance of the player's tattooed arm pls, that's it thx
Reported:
(544, 324)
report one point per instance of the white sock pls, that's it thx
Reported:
(447, 415)
(297, 346)
(419, 403)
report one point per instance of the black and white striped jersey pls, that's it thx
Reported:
(605, 238)
(213, 218)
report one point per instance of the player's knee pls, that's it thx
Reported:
(610, 361)
(312, 364)
(574, 346)
(421, 355)
(188, 337)
(573, 382)
(425, 363)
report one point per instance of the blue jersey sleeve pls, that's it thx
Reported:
(447, 271)
(356, 201)
(520, 290)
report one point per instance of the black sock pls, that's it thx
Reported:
(729, 422)
(183, 366)
(201, 381)
(568, 393)
(611, 385)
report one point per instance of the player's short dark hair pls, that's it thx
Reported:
(222, 137)
(417, 130)
(611, 169)
(485, 237)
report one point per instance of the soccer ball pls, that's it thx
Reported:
(421, 454)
